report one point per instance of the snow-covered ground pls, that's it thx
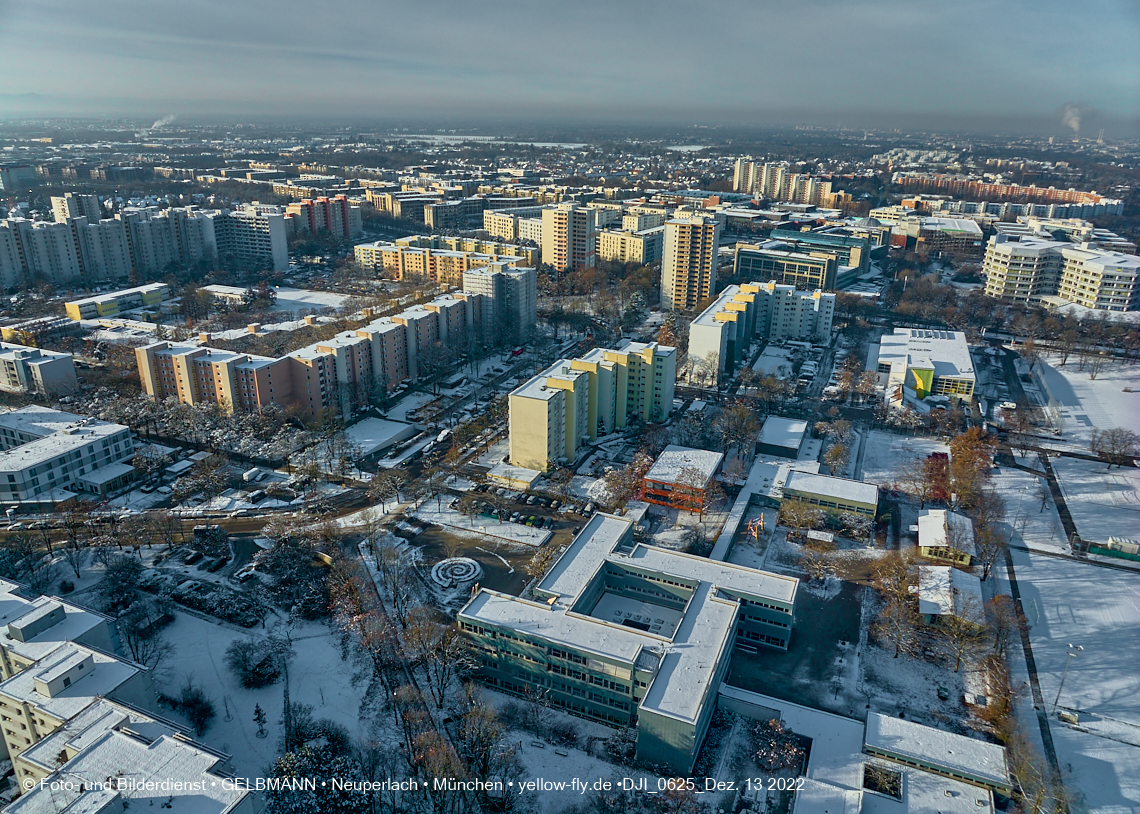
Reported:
(494, 455)
(884, 452)
(1028, 525)
(588, 489)
(374, 434)
(1070, 602)
(1099, 403)
(399, 410)
(1103, 502)
(481, 527)
(774, 362)
(300, 299)
(317, 676)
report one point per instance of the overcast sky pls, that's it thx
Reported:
(953, 64)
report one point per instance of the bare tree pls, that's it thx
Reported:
(1117, 446)
(1004, 622)
(962, 632)
(991, 544)
(897, 624)
(440, 649)
(799, 516)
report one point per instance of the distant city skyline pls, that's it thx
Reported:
(1013, 67)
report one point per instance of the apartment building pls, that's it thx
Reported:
(70, 708)
(497, 250)
(1051, 272)
(113, 303)
(340, 374)
(773, 260)
(42, 698)
(336, 216)
(46, 252)
(574, 400)
(50, 456)
(569, 237)
(439, 263)
(1076, 230)
(104, 253)
(962, 186)
(720, 335)
(689, 261)
(253, 235)
(916, 363)
(34, 370)
(630, 635)
(504, 223)
(643, 247)
(512, 294)
(76, 205)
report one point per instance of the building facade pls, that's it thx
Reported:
(630, 635)
(773, 261)
(33, 370)
(720, 335)
(49, 456)
(916, 363)
(569, 237)
(689, 262)
(553, 414)
(642, 247)
(1051, 272)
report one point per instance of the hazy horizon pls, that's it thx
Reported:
(971, 67)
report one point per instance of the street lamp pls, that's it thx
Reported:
(1074, 649)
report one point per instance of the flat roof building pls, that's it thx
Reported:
(48, 456)
(574, 400)
(945, 592)
(34, 370)
(832, 494)
(916, 363)
(630, 635)
(783, 437)
(680, 477)
(113, 303)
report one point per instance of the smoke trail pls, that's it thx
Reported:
(1070, 114)
(165, 120)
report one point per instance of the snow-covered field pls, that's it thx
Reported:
(317, 676)
(1028, 524)
(481, 527)
(1103, 502)
(884, 452)
(300, 299)
(1071, 602)
(1099, 403)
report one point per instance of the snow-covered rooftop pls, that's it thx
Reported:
(675, 459)
(783, 432)
(17, 613)
(946, 591)
(939, 528)
(105, 675)
(686, 662)
(967, 758)
(142, 762)
(946, 352)
(843, 488)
